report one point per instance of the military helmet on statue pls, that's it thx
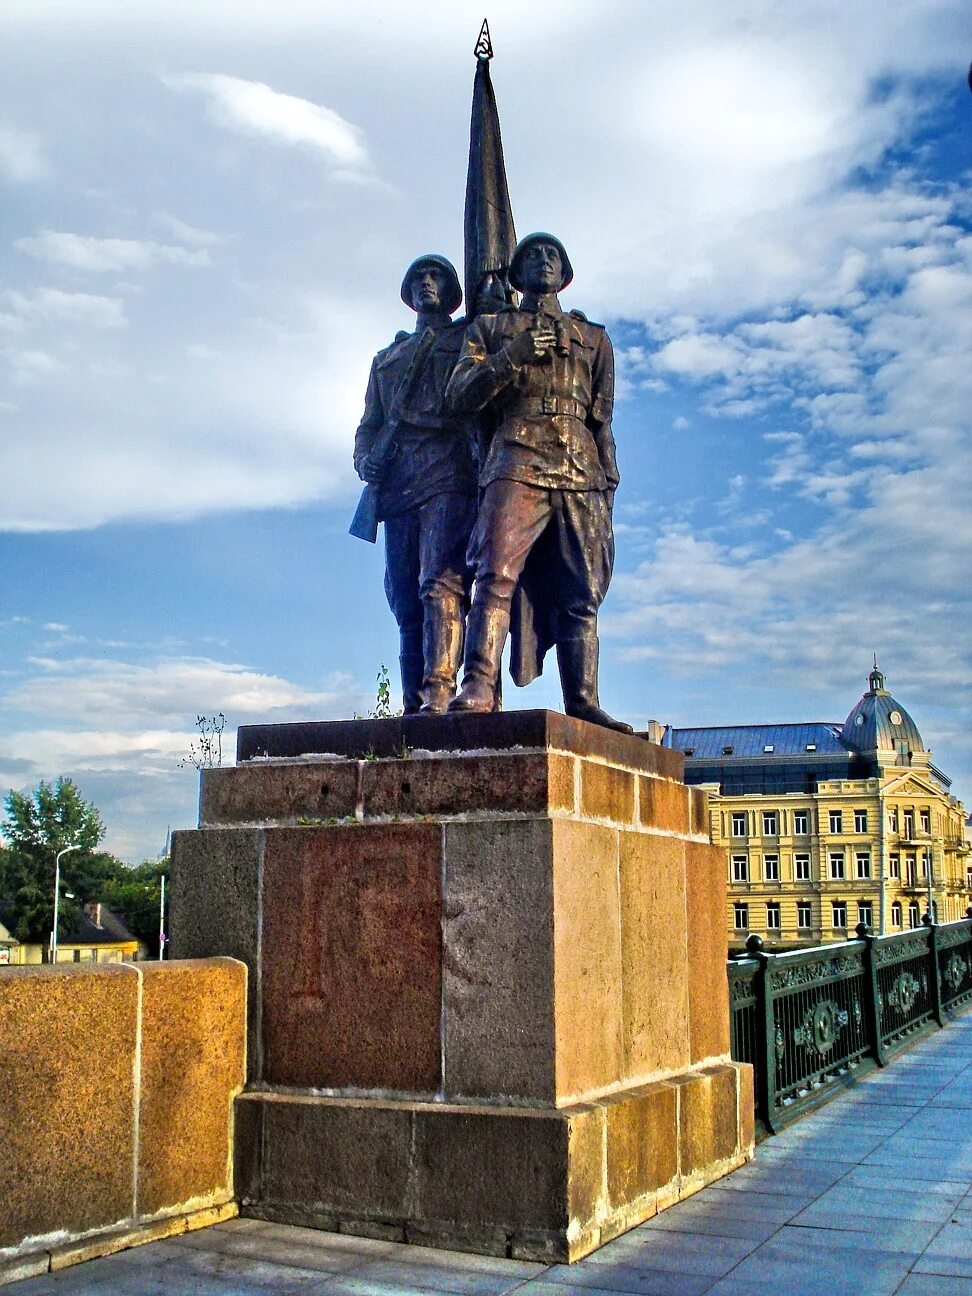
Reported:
(516, 265)
(453, 291)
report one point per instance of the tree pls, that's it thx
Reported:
(135, 894)
(38, 825)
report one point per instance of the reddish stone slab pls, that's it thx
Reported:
(352, 957)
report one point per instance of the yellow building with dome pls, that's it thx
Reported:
(829, 825)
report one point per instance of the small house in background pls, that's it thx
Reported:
(102, 938)
(8, 947)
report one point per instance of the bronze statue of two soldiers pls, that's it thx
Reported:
(489, 455)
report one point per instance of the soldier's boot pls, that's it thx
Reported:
(486, 630)
(442, 640)
(577, 659)
(412, 664)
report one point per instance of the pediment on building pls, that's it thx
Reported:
(911, 785)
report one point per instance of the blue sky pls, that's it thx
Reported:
(207, 210)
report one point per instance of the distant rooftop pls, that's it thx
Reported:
(719, 742)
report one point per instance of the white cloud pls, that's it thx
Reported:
(57, 306)
(252, 108)
(107, 255)
(22, 157)
(189, 234)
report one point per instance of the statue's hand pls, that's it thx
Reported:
(532, 346)
(369, 471)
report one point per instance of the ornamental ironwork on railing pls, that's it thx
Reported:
(811, 1020)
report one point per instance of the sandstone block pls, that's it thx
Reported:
(654, 961)
(708, 1128)
(67, 1130)
(664, 805)
(642, 1143)
(192, 1067)
(352, 956)
(587, 959)
(607, 792)
(498, 983)
(708, 985)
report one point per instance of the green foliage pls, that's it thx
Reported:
(382, 709)
(37, 826)
(135, 895)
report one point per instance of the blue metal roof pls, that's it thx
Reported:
(710, 743)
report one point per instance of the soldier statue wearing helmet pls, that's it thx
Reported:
(425, 482)
(543, 543)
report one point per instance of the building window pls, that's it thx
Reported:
(801, 823)
(740, 915)
(771, 868)
(896, 914)
(924, 864)
(836, 821)
(837, 865)
(740, 868)
(739, 824)
(768, 747)
(865, 913)
(804, 915)
(860, 821)
(839, 908)
(773, 921)
(925, 821)
(894, 865)
(863, 860)
(771, 823)
(968, 876)
(893, 819)
(914, 914)
(909, 824)
(911, 870)
(801, 867)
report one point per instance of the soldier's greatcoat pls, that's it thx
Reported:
(552, 433)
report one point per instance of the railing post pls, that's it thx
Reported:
(765, 1077)
(936, 982)
(872, 1007)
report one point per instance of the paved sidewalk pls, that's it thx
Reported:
(871, 1194)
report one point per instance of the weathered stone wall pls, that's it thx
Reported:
(116, 1105)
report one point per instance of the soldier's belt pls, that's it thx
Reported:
(549, 405)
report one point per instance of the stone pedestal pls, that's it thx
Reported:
(488, 991)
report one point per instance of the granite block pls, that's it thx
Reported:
(520, 782)
(607, 792)
(654, 960)
(67, 1130)
(503, 730)
(498, 984)
(214, 909)
(192, 1066)
(708, 985)
(664, 805)
(261, 791)
(352, 956)
(587, 958)
(642, 1143)
(512, 1171)
(337, 1156)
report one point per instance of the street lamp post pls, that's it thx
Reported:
(57, 895)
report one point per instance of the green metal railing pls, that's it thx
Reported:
(811, 1020)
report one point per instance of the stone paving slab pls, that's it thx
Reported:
(870, 1196)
